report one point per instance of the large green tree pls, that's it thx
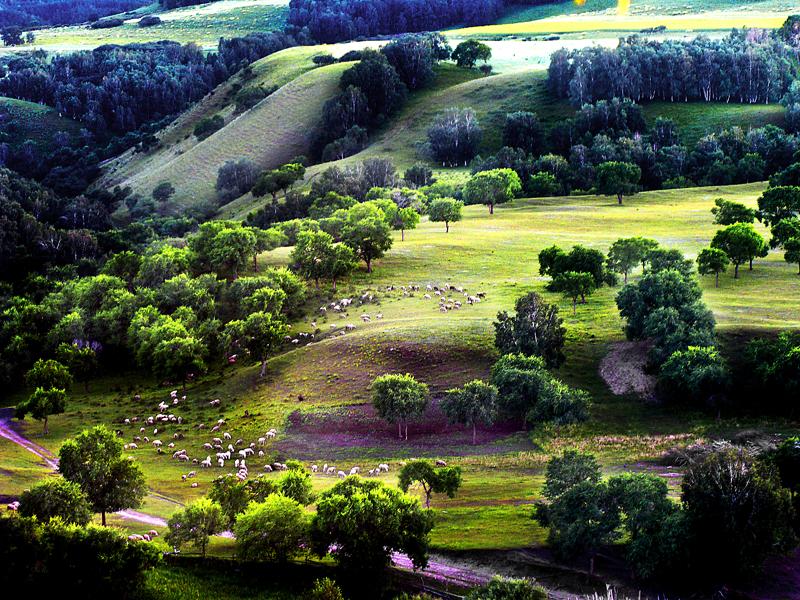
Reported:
(41, 404)
(618, 179)
(445, 210)
(49, 374)
(93, 460)
(271, 530)
(535, 330)
(260, 334)
(365, 521)
(398, 399)
(742, 243)
(626, 253)
(56, 497)
(575, 286)
(369, 237)
(469, 52)
(712, 261)
(496, 186)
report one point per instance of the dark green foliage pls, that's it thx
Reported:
(398, 399)
(474, 403)
(697, 375)
(56, 498)
(664, 259)
(93, 460)
(233, 495)
(272, 530)
(441, 480)
(742, 243)
(501, 588)
(58, 559)
(367, 520)
(523, 130)
(207, 126)
(496, 186)
(296, 484)
(419, 175)
(41, 404)
(447, 210)
(454, 137)
(414, 56)
(469, 52)
(627, 253)
(727, 213)
(618, 179)
(554, 261)
(194, 524)
(772, 373)
(534, 330)
(777, 203)
(574, 286)
(712, 261)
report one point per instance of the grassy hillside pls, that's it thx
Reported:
(35, 122)
(271, 133)
(317, 396)
(202, 24)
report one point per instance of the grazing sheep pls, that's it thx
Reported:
(341, 474)
(133, 446)
(354, 470)
(127, 421)
(383, 467)
(260, 453)
(195, 484)
(152, 533)
(331, 471)
(268, 468)
(314, 468)
(349, 327)
(440, 463)
(379, 316)
(226, 435)
(215, 428)
(262, 441)
(171, 445)
(157, 443)
(206, 464)
(135, 537)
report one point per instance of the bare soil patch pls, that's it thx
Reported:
(623, 370)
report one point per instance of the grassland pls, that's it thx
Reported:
(270, 134)
(35, 122)
(317, 396)
(202, 25)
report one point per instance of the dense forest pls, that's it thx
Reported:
(31, 13)
(748, 66)
(338, 20)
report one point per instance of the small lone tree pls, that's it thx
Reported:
(474, 403)
(48, 374)
(496, 186)
(405, 218)
(195, 524)
(712, 261)
(41, 404)
(163, 191)
(442, 480)
(469, 52)
(727, 213)
(574, 285)
(618, 179)
(369, 238)
(93, 460)
(271, 530)
(445, 210)
(399, 398)
(626, 253)
(742, 243)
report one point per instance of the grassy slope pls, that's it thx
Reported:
(36, 122)
(329, 380)
(202, 25)
(275, 70)
(271, 133)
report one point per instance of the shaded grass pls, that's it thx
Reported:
(36, 123)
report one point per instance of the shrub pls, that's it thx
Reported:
(56, 498)
(271, 530)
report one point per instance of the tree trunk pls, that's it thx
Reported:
(263, 368)
(399, 430)
(316, 282)
(574, 302)
(402, 235)
(103, 517)
(619, 199)
(626, 277)
(736, 271)
(406, 428)
(255, 262)
(447, 226)
(491, 209)
(716, 280)
(333, 284)
(369, 266)
(474, 434)
(751, 263)
(45, 426)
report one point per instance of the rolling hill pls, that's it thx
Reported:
(35, 122)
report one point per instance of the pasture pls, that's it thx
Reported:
(34, 122)
(317, 396)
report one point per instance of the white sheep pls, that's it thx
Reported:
(226, 435)
(341, 474)
(354, 470)
(262, 441)
(383, 467)
(314, 468)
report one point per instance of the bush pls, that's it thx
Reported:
(149, 21)
(454, 137)
(56, 498)
(695, 375)
(501, 588)
(271, 530)
(207, 126)
(107, 24)
(195, 524)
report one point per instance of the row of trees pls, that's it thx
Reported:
(748, 66)
(35, 13)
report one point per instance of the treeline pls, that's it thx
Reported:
(338, 20)
(747, 67)
(33, 13)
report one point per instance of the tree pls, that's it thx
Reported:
(626, 253)
(558, 403)
(784, 230)
(447, 210)
(419, 175)
(414, 58)
(271, 530)
(231, 250)
(469, 52)
(56, 498)
(523, 130)
(518, 379)
(325, 589)
(380, 83)
(399, 398)
(163, 192)
(93, 460)
(234, 496)
(80, 358)
(178, 358)
(41, 404)
(535, 330)
(574, 285)
(342, 262)
(778, 203)
(742, 243)
(12, 36)
(195, 524)
(474, 403)
(406, 218)
(442, 480)
(278, 180)
(454, 137)
(695, 375)
(312, 254)
(792, 251)
(727, 213)
(48, 374)
(369, 238)
(365, 521)
(492, 187)
(618, 179)
(260, 333)
(235, 178)
(738, 513)
(296, 484)
(580, 513)
(712, 261)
